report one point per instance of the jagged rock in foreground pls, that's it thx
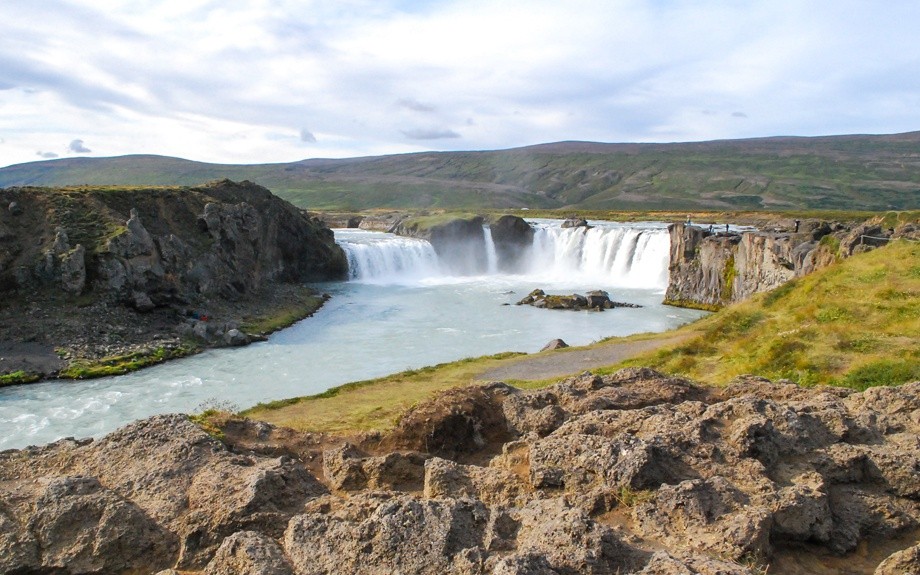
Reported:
(630, 473)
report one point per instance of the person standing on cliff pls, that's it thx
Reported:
(796, 226)
(688, 219)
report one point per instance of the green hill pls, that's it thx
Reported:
(860, 172)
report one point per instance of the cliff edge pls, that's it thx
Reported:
(709, 269)
(99, 272)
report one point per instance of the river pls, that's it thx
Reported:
(403, 308)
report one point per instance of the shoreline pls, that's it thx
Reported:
(58, 347)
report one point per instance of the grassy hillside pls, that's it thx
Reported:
(843, 172)
(854, 324)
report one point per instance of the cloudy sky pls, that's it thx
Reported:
(280, 80)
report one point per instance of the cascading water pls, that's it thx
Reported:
(491, 253)
(605, 255)
(386, 258)
(610, 254)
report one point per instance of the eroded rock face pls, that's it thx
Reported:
(710, 269)
(512, 237)
(634, 472)
(159, 492)
(225, 239)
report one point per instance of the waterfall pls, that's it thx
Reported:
(491, 254)
(618, 255)
(376, 257)
(606, 255)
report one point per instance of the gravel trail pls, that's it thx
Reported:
(571, 361)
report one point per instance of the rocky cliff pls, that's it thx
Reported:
(712, 269)
(630, 473)
(512, 236)
(150, 255)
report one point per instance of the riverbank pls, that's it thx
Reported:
(52, 338)
(101, 281)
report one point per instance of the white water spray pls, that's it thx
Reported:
(491, 254)
(375, 257)
(605, 255)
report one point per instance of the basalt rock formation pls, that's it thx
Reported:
(634, 472)
(712, 269)
(512, 236)
(147, 254)
(597, 300)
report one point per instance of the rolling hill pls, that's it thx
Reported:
(859, 172)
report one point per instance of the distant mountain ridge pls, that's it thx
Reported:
(855, 172)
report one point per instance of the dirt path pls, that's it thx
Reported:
(567, 362)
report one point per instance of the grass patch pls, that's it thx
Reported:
(855, 323)
(122, 364)
(284, 317)
(18, 377)
(373, 404)
(883, 372)
(728, 279)
(628, 497)
(212, 421)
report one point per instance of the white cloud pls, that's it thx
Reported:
(77, 147)
(430, 133)
(219, 81)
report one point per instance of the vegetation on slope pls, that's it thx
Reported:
(843, 172)
(854, 324)
(372, 404)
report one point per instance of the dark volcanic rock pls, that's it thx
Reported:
(460, 243)
(598, 300)
(512, 237)
(130, 262)
(575, 223)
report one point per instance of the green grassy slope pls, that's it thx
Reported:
(855, 324)
(841, 172)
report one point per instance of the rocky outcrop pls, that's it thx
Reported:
(146, 257)
(377, 222)
(597, 300)
(554, 345)
(709, 270)
(634, 472)
(512, 237)
(222, 240)
(575, 223)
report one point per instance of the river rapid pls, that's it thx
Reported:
(402, 308)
